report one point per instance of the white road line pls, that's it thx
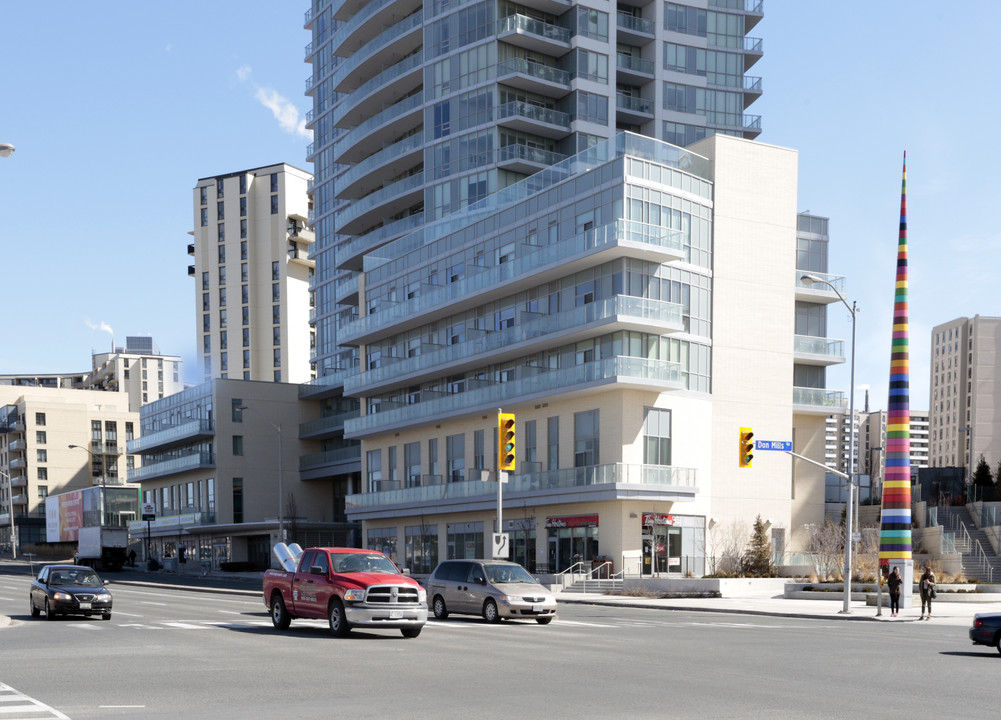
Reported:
(119, 612)
(184, 626)
(8, 599)
(150, 602)
(27, 705)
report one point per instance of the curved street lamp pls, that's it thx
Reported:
(6, 149)
(809, 280)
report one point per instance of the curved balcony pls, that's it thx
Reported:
(632, 372)
(622, 238)
(367, 175)
(621, 312)
(350, 253)
(388, 201)
(533, 35)
(534, 120)
(397, 119)
(368, 99)
(346, 290)
(808, 350)
(387, 48)
(534, 77)
(678, 483)
(186, 463)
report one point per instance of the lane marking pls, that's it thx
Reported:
(29, 706)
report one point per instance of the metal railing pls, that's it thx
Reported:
(983, 561)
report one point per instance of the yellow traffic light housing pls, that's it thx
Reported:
(746, 447)
(505, 442)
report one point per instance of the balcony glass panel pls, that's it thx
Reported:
(387, 76)
(384, 38)
(528, 154)
(531, 26)
(534, 69)
(356, 134)
(329, 457)
(819, 397)
(635, 104)
(628, 62)
(542, 382)
(805, 344)
(838, 281)
(327, 424)
(171, 434)
(636, 24)
(362, 243)
(370, 8)
(613, 474)
(194, 461)
(362, 169)
(360, 207)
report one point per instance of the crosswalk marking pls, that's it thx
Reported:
(16, 702)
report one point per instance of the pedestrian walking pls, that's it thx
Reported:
(893, 582)
(926, 586)
(132, 558)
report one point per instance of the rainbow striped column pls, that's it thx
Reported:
(895, 523)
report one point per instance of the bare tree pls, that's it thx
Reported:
(733, 539)
(826, 543)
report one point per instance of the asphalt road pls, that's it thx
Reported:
(170, 653)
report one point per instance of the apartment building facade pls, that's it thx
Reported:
(252, 269)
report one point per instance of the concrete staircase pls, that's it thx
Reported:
(978, 557)
(588, 585)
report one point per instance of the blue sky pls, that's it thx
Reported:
(118, 108)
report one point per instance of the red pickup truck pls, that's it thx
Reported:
(350, 587)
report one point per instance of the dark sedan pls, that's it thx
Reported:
(69, 590)
(986, 630)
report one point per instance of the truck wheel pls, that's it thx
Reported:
(438, 606)
(279, 615)
(410, 632)
(338, 623)
(490, 613)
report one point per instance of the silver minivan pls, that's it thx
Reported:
(494, 589)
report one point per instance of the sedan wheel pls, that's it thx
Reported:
(544, 620)
(338, 623)
(438, 606)
(48, 611)
(106, 616)
(35, 612)
(490, 613)
(410, 632)
(998, 642)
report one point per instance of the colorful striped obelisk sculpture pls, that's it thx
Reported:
(895, 521)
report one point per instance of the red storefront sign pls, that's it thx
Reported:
(657, 519)
(573, 521)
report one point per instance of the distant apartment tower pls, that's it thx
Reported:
(252, 269)
(965, 393)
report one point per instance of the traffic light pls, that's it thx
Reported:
(505, 442)
(746, 446)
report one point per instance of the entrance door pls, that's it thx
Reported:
(646, 569)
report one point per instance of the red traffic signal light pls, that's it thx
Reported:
(746, 447)
(505, 442)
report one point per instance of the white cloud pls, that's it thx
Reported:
(102, 326)
(285, 112)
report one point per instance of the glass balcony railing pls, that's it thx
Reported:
(363, 243)
(356, 134)
(611, 235)
(807, 345)
(359, 207)
(752, 83)
(819, 398)
(534, 381)
(633, 104)
(520, 66)
(636, 24)
(195, 461)
(534, 113)
(331, 423)
(388, 153)
(531, 26)
(640, 309)
(350, 101)
(509, 153)
(331, 379)
(651, 476)
(386, 37)
(838, 281)
(177, 433)
(350, 26)
(635, 64)
(329, 457)
(753, 45)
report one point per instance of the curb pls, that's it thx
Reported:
(732, 611)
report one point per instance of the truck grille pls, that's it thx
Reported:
(392, 594)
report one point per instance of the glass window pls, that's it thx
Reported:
(274, 204)
(455, 448)
(553, 443)
(412, 461)
(40, 418)
(657, 437)
(586, 436)
(238, 445)
(373, 470)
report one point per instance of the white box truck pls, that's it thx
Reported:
(103, 548)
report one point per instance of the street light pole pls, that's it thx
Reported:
(281, 488)
(10, 507)
(853, 309)
(104, 484)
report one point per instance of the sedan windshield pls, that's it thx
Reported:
(508, 574)
(75, 577)
(362, 562)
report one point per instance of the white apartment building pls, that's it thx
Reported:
(965, 393)
(252, 268)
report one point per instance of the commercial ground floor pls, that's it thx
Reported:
(635, 538)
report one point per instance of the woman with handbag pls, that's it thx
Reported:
(926, 586)
(893, 582)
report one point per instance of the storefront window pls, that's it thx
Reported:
(422, 548)
(465, 540)
(673, 544)
(571, 540)
(383, 540)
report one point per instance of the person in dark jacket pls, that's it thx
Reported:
(893, 583)
(926, 586)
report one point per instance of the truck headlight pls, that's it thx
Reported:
(354, 595)
(422, 595)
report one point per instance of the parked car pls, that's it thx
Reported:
(986, 630)
(69, 590)
(494, 589)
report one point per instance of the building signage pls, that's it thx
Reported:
(148, 511)
(572, 522)
(657, 519)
